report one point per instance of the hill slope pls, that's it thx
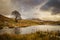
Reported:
(4, 21)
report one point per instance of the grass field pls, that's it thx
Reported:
(33, 36)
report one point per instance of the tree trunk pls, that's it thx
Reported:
(16, 19)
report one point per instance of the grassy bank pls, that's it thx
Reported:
(33, 36)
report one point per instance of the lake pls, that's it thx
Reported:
(32, 29)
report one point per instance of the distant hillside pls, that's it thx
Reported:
(4, 21)
(3, 18)
(44, 22)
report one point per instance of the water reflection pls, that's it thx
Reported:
(32, 29)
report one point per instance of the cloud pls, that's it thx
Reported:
(29, 2)
(5, 7)
(26, 4)
(53, 5)
(31, 8)
(26, 7)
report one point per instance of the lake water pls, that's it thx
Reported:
(32, 29)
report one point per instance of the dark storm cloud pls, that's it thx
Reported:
(27, 4)
(54, 4)
(34, 2)
(26, 7)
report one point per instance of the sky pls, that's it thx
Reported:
(42, 9)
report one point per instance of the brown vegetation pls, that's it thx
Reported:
(4, 21)
(33, 36)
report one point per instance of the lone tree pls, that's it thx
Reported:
(17, 15)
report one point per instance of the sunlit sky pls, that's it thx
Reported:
(42, 9)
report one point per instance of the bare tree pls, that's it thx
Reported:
(17, 15)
